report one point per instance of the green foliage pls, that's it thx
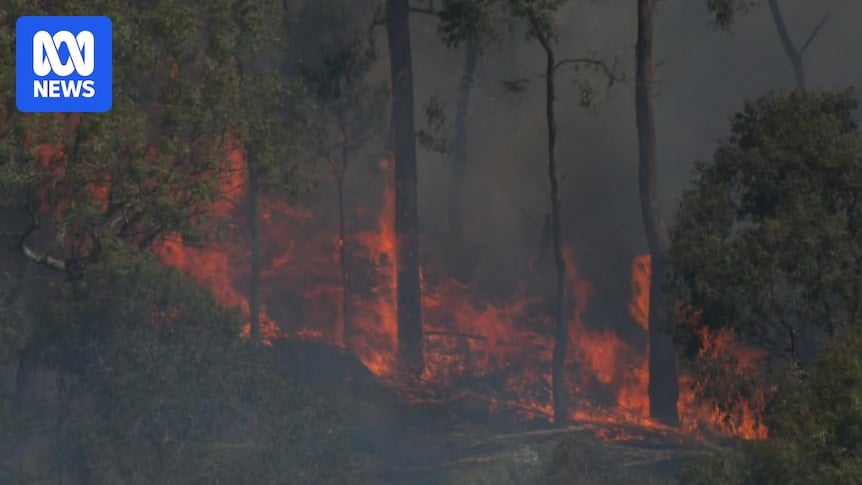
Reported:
(153, 382)
(770, 237)
(478, 22)
(539, 15)
(766, 243)
(591, 72)
(273, 118)
(335, 51)
(474, 22)
(817, 424)
(815, 429)
(156, 160)
(716, 468)
(158, 387)
(335, 54)
(725, 11)
(434, 138)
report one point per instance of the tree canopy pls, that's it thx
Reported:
(140, 374)
(768, 243)
(153, 164)
(769, 238)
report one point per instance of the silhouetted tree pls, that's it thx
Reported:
(725, 12)
(407, 258)
(539, 18)
(663, 384)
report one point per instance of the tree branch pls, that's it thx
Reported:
(813, 34)
(793, 55)
(540, 36)
(609, 71)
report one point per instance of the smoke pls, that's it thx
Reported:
(704, 76)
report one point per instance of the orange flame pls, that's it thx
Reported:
(499, 351)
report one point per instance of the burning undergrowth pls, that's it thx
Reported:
(490, 349)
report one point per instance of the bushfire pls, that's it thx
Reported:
(499, 352)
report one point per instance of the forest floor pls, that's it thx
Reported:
(460, 442)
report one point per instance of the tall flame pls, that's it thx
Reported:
(498, 351)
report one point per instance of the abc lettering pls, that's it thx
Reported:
(81, 61)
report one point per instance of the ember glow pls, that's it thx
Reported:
(497, 352)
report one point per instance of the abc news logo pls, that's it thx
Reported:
(63, 64)
(46, 59)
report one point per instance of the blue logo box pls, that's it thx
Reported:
(63, 64)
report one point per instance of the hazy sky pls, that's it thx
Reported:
(704, 76)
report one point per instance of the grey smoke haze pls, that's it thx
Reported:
(704, 76)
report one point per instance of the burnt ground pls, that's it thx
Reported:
(460, 441)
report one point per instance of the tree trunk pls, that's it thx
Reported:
(793, 54)
(254, 223)
(561, 321)
(459, 158)
(409, 314)
(663, 383)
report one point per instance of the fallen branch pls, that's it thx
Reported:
(43, 259)
(813, 34)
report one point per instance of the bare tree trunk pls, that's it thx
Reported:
(793, 55)
(254, 226)
(410, 348)
(459, 156)
(561, 321)
(663, 382)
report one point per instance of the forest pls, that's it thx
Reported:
(439, 241)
